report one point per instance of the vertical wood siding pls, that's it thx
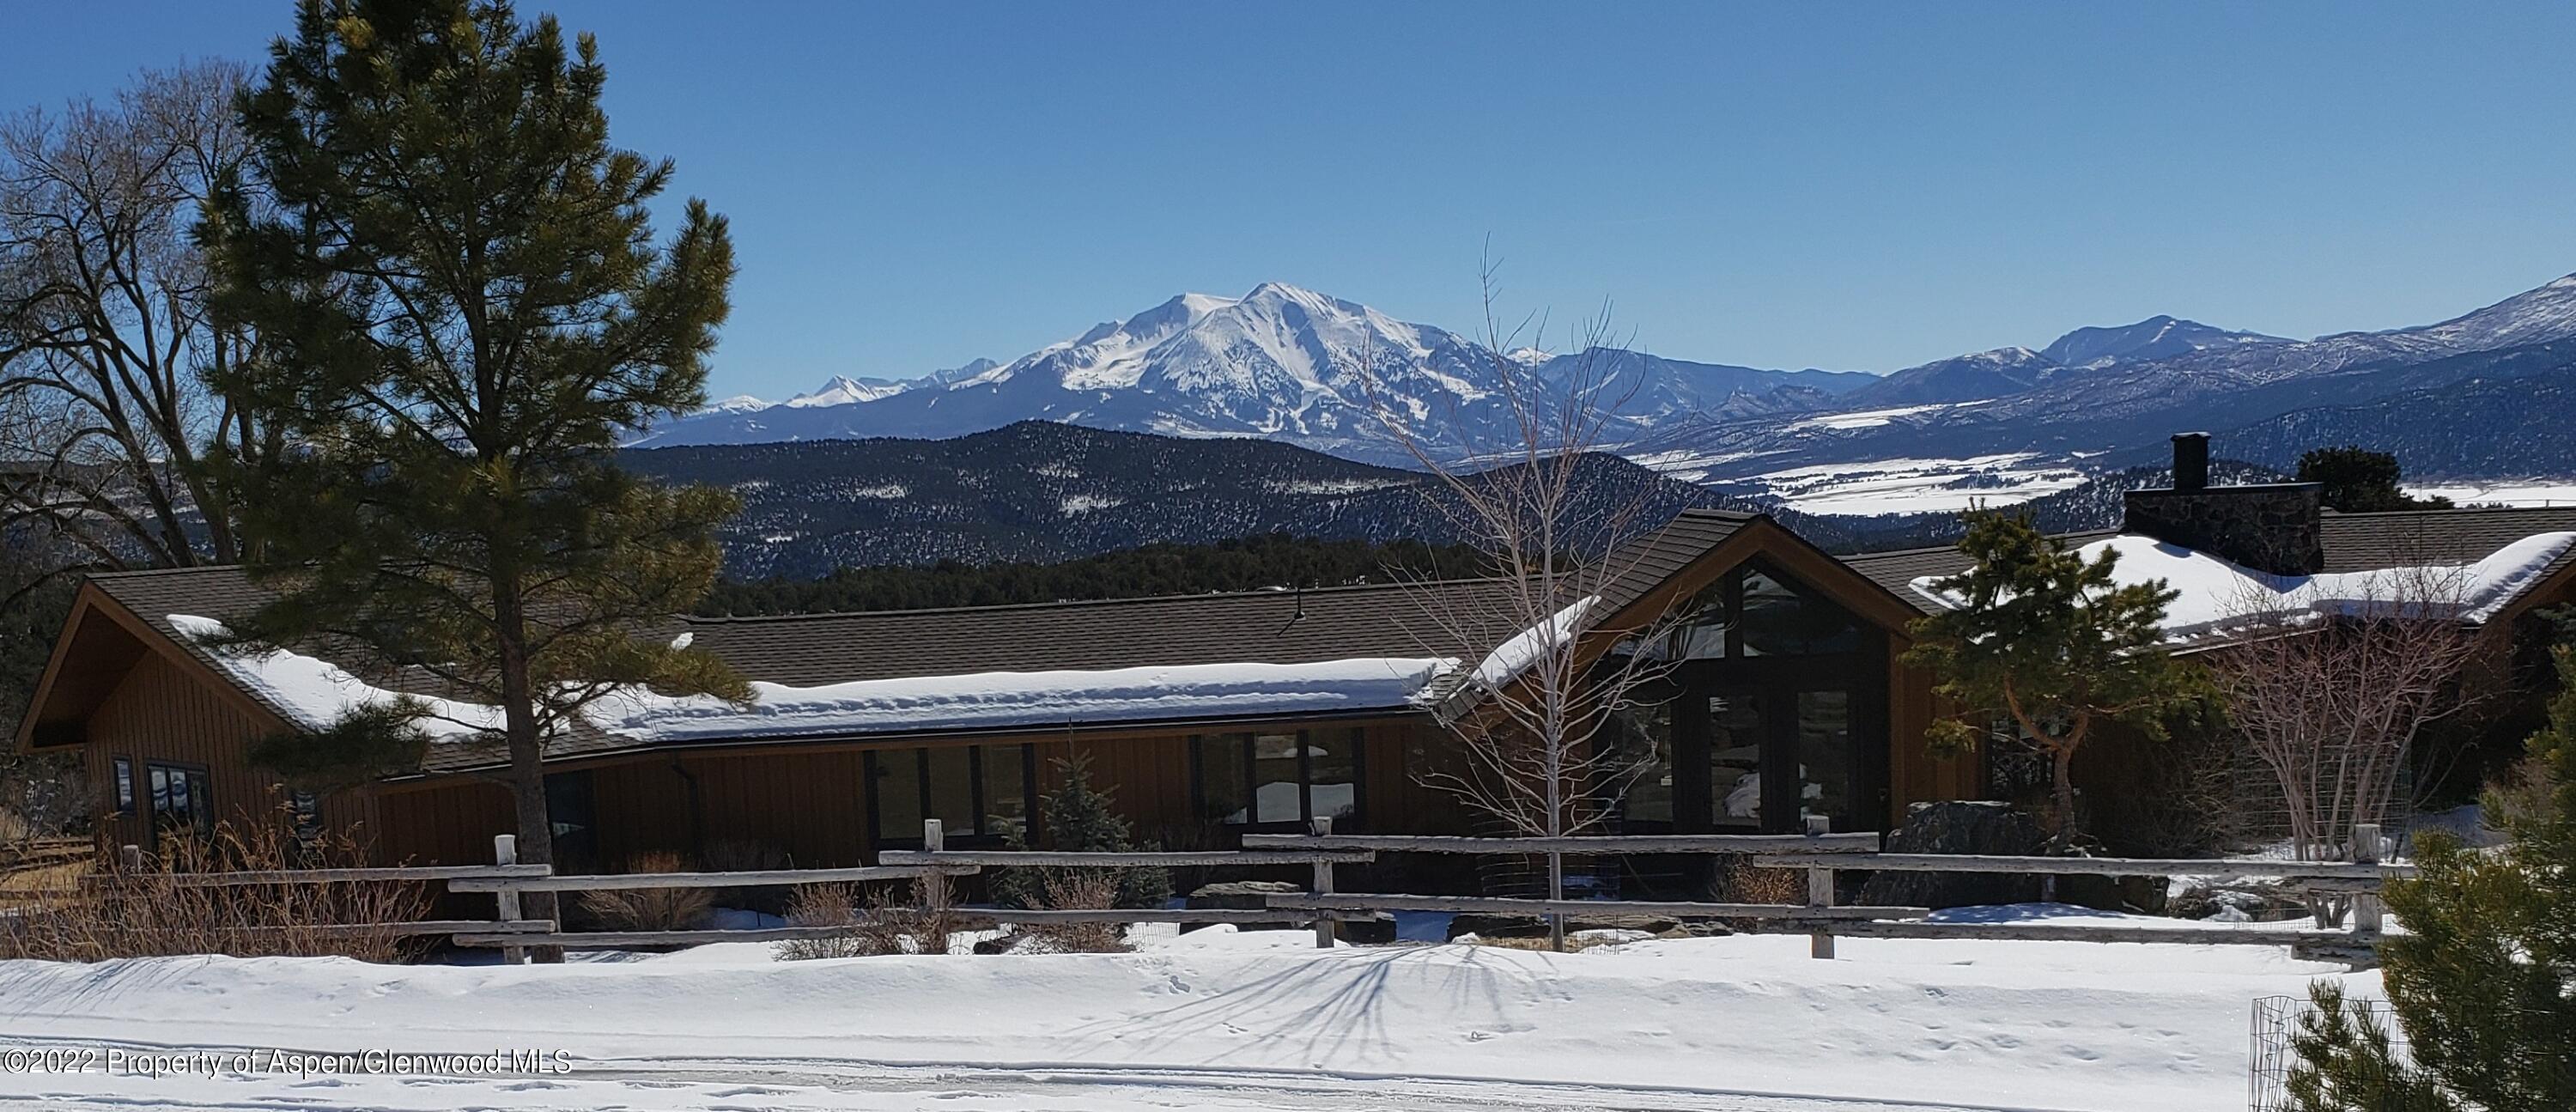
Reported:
(162, 713)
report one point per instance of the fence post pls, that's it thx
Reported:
(934, 884)
(505, 851)
(131, 857)
(1323, 887)
(1820, 893)
(2366, 905)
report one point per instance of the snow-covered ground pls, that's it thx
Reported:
(1213, 1019)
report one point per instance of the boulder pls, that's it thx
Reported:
(1366, 932)
(1535, 926)
(1976, 827)
(1241, 895)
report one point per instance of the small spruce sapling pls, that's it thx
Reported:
(1078, 818)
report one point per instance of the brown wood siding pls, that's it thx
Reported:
(162, 713)
(1914, 774)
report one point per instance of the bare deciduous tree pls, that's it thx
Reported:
(104, 331)
(2330, 694)
(1557, 531)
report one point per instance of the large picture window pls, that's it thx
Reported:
(1751, 612)
(1773, 708)
(975, 791)
(1285, 777)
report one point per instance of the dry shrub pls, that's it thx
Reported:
(917, 922)
(827, 905)
(1076, 890)
(1740, 880)
(908, 920)
(14, 830)
(113, 912)
(650, 909)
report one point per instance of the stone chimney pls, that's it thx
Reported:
(2268, 527)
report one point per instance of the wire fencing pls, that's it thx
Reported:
(2272, 1052)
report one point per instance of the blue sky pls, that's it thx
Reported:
(1864, 186)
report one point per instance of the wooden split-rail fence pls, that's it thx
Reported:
(1818, 852)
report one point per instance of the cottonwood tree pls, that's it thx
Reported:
(1555, 523)
(2050, 645)
(2330, 694)
(2483, 980)
(462, 307)
(107, 345)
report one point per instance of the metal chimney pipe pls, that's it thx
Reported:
(2191, 461)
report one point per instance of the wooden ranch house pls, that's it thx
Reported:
(1204, 715)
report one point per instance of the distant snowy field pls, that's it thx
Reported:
(1911, 486)
(2511, 492)
(1215, 1019)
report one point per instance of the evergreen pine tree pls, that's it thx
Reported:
(1078, 818)
(2358, 480)
(2483, 981)
(2048, 642)
(463, 307)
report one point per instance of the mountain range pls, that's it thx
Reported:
(1289, 364)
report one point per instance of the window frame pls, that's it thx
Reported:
(1249, 789)
(175, 774)
(124, 787)
(977, 782)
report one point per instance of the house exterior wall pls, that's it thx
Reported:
(1914, 774)
(162, 713)
(809, 803)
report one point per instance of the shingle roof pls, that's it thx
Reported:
(1267, 627)
(2353, 542)
(2359, 542)
(1272, 627)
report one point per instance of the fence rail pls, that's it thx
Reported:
(1820, 853)
(1589, 845)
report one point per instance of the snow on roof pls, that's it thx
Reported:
(987, 700)
(315, 692)
(2214, 592)
(1518, 655)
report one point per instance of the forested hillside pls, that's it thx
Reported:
(1037, 492)
(1274, 562)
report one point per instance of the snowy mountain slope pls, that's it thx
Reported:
(1964, 378)
(2157, 337)
(1280, 362)
(2121, 411)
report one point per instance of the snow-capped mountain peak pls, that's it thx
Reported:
(1280, 361)
(843, 390)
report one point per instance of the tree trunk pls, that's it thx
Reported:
(2061, 762)
(1556, 891)
(527, 757)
